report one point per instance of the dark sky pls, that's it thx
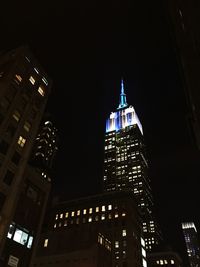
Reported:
(86, 49)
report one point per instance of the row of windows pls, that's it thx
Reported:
(163, 262)
(41, 90)
(89, 219)
(84, 212)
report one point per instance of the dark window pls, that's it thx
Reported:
(4, 104)
(11, 93)
(32, 193)
(10, 131)
(2, 200)
(1, 118)
(3, 146)
(8, 177)
(16, 157)
(124, 264)
(33, 114)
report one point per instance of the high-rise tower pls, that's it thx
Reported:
(45, 148)
(192, 243)
(126, 166)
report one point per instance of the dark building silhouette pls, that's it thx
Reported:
(126, 165)
(184, 25)
(192, 243)
(24, 90)
(109, 219)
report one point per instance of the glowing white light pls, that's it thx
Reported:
(188, 225)
(123, 118)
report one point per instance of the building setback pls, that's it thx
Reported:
(24, 90)
(126, 165)
(110, 219)
(192, 243)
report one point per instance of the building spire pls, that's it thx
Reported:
(122, 102)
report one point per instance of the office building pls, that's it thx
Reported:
(164, 259)
(109, 219)
(24, 90)
(126, 165)
(192, 243)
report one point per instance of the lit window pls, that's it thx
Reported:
(142, 242)
(109, 207)
(90, 210)
(36, 70)
(158, 262)
(116, 244)
(116, 215)
(84, 211)
(103, 208)
(30, 241)
(20, 236)
(143, 252)
(65, 223)
(11, 230)
(109, 216)
(16, 115)
(172, 261)
(165, 261)
(123, 214)
(90, 219)
(123, 232)
(21, 141)
(27, 126)
(61, 215)
(66, 214)
(45, 80)
(78, 212)
(46, 242)
(97, 209)
(161, 262)
(18, 77)
(103, 217)
(72, 214)
(54, 225)
(41, 91)
(32, 80)
(144, 263)
(56, 216)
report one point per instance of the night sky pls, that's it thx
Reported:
(86, 49)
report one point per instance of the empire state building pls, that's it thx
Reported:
(126, 166)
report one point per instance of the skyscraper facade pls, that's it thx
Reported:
(192, 243)
(45, 148)
(24, 90)
(126, 165)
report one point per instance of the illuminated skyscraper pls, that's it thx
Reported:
(126, 166)
(45, 148)
(192, 243)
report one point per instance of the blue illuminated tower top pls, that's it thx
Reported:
(124, 116)
(123, 102)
